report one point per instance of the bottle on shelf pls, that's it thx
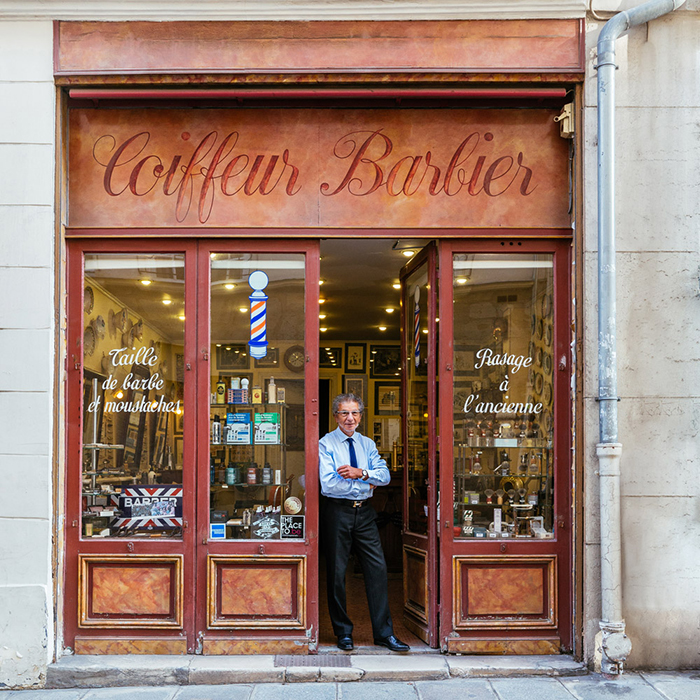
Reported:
(267, 473)
(221, 392)
(271, 391)
(244, 389)
(216, 431)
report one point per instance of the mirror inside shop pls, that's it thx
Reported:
(134, 407)
(503, 396)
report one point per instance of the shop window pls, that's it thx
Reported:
(503, 396)
(257, 437)
(133, 401)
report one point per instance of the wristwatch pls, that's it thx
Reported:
(365, 475)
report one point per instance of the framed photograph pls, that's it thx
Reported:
(387, 398)
(384, 361)
(179, 425)
(355, 358)
(232, 357)
(271, 360)
(464, 361)
(331, 357)
(179, 455)
(357, 385)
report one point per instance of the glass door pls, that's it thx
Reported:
(506, 480)
(258, 449)
(419, 353)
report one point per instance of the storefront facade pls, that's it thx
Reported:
(213, 224)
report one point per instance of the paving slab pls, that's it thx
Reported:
(296, 691)
(214, 692)
(678, 686)
(595, 687)
(378, 691)
(495, 666)
(85, 671)
(222, 670)
(455, 689)
(340, 675)
(529, 688)
(148, 693)
(401, 668)
(75, 694)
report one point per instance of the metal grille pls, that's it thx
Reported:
(333, 660)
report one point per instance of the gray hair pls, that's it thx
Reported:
(343, 398)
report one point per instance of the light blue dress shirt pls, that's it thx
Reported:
(334, 451)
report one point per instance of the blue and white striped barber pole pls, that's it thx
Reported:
(416, 326)
(258, 314)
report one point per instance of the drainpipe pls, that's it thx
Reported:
(611, 642)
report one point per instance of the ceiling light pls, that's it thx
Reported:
(408, 253)
(396, 285)
(212, 256)
(382, 328)
(322, 316)
(461, 280)
(120, 394)
(181, 317)
(389, 310)
(230, 285)
(320, 282)
(327, 349)
(321, 301)
(374, 352)
(145, 282)
(229, 347)
(167, 302)
(243, 309)
(425, 330)
(323, 330)
(218, 345)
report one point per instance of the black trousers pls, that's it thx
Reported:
(345, 530)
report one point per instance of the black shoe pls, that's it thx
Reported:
(345, 642)
(392, 643)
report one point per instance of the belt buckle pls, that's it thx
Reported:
(357, 504)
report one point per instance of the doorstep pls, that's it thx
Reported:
(83, 671)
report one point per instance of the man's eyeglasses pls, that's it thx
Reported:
(345, 414)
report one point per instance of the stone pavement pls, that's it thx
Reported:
(632, 686)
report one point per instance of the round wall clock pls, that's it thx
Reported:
(294, 358)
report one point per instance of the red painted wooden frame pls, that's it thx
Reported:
(562, 522)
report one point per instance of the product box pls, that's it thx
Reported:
(267, 428)
(238, 396)
(238, 429)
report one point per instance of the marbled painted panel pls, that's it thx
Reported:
(251, 647)
(131, 590)
(264, 590)
(504, 646)
(505, 591)
(115, 645)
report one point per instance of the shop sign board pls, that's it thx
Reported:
(303, 168)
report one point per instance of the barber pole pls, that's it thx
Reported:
(416, 327)
(258, 314)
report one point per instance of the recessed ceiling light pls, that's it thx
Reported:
(461, 280)
(230, 285)
(145, 282)
(396, 285)
(218, 345)
(243, 309)
(409, 253)
(382, 328)
(167, 302)
(425, 330)
(323, 330)
(327, 349)
(181, 317)
(320, 282)
(321, 301)
(322, 316)
(229, 347)
(389, 309)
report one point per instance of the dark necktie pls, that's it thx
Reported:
(353, 456)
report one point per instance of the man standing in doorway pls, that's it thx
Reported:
(350, 468)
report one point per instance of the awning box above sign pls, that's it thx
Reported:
(301, 168)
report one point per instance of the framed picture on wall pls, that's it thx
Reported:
(232, 357)
(330, 357)
(387, 398)
(355, 358)
(384, 361)
(271, 360)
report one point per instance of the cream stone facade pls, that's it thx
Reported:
(658, 303)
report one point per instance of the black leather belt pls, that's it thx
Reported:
(347, 502)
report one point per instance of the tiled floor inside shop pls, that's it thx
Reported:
(359, 613)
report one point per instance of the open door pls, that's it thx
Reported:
(420, 444)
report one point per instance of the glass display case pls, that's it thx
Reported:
(503, 398)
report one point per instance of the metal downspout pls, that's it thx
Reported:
(611, 642)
